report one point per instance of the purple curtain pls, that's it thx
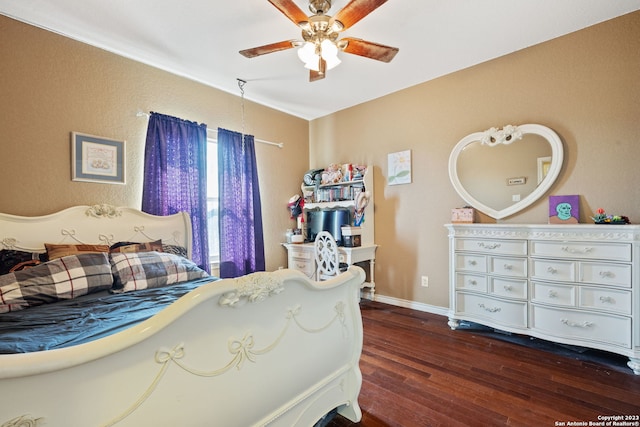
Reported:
(240, 223)
(175, 176)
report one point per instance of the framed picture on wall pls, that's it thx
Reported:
(97, 159)
(564, 209)
(399, 168)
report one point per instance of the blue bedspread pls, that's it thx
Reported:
(77, 321)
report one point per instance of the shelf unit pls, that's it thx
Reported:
(302, 256)
(342, 195)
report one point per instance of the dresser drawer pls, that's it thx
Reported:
(473, 282)
(582, 250)
(587, 326)
(606, 273)
(507, 313)
(511, 288)
(514, 267)
(302, 260)
(469, 262)
(308, 267)
(614, 300)
(548, 293)
(500, 247)
(547, 269)
(301, 253)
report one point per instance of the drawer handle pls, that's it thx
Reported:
(508, 288)
(489, 246)
(508, 267)
(584, 324)
(473, 282)
(490, 310)
(577, 251)
(552, 270)
(607, 300)
(607, 274)
(552, 294)
(472, 262)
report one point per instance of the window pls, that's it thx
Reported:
(212, 203)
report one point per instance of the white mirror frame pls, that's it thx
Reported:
(506, 136)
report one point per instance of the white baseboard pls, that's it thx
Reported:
(434, 309)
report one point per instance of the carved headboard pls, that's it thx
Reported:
(97, 224)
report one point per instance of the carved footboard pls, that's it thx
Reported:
(264, 349)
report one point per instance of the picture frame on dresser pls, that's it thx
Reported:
(564, 209)
(97, 159)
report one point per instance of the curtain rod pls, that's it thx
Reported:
(262, 141)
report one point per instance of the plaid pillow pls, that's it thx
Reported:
(63, 278)
(141, 270)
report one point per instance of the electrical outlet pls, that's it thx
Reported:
(425, 281)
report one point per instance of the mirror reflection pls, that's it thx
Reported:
(501, 175)
(502, 171)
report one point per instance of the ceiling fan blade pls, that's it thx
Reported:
(268, 48)
(290, 10)
(355, 10)
(369, 49)
(321, 73)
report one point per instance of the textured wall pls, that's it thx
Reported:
(584, 85)
(51, 85)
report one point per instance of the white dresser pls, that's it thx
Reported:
(574, 284)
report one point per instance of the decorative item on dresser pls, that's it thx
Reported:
(573, 284)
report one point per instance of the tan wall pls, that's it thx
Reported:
(585, 86)
(51, 85)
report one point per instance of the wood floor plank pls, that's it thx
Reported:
(418, 372)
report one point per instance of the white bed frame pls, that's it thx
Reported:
(265, 349)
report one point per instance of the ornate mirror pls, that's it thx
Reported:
(502, 171)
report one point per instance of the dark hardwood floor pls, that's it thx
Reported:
(418, 372)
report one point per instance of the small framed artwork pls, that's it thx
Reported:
(97, 159)
(564, 209)
(399, 168)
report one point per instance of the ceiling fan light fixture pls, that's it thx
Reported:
(329, 52)
(307, 54)
(310, 54)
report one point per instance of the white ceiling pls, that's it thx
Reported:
(200, 39)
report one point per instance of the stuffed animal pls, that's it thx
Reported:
(295, 205)
(332, 174)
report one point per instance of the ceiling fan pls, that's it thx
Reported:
(320, 44)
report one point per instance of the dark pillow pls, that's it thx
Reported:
(137, 247)
(63, 278)
(11, 259)
(141, 270)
